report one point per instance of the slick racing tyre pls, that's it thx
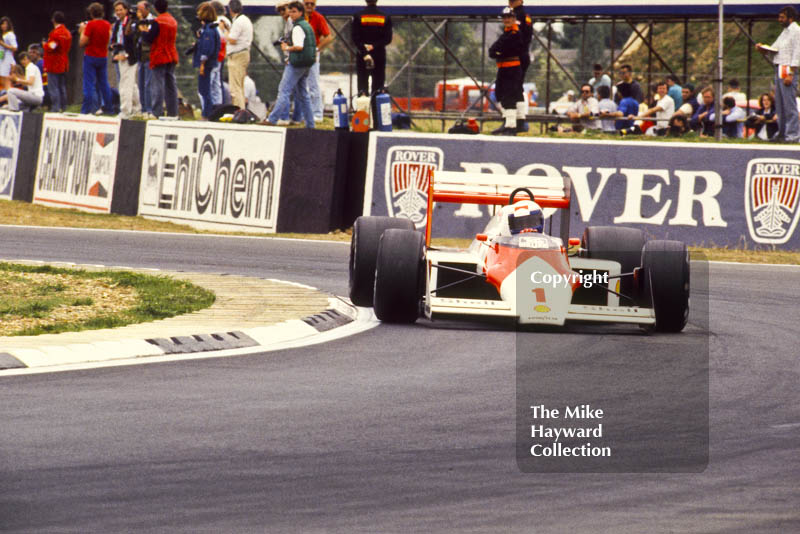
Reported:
(399, 276)
(623, 245)
(367, 233)
(665, 283)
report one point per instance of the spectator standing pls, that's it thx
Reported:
(125, 56)
(674, 90)
(371, 32)
(206, 51)
(56, 62)
(324, 37)
(662, 110)
(607, 108)
(626, 72)
(282, 7)
(599, 79)
(223, 25)
(701, 120)
(785, 55)
(33, 92)
(732, 117)
(238, 40)
(583, 110)
(525, 24)
(94, 37)
(163, 59)
(145, 75)
(506, 51)
(764, 117)
(8, 47)
(302, 55)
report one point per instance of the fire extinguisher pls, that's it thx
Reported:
(383, 105)
(341, 120)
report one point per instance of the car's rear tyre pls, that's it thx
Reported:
(620, 244)
(367, 233)
(399, 276)
(665, 283)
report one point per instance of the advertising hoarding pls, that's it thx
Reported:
(77, 162)
(212, 176)
(10, 134)
(703, 194)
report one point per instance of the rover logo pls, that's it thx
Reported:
(771, 199)
(408, 174)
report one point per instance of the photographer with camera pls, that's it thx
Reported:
(144, 76)
(94, 38)
(125, 56)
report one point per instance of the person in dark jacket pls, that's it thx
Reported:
(206, 51)
(506, 51)
(371, 33)
(163, 59)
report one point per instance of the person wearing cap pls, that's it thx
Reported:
(371, 32)
(525, 24)
(506, 51)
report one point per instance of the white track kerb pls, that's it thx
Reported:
(339, 320)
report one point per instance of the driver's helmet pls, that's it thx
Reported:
(524, 216)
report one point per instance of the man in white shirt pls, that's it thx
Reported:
(607, 109)
(238, 39)
(33, 94)
(582, 110)
(662, 111)
(785, 55)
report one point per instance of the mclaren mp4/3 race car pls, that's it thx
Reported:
(514, 268)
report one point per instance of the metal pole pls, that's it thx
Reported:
(649, 58)
(583, 52)
(483, 70)
(685, 80)
(613, 44)
(718, 92)
(749, 66)
(444, 77)
(547, 84)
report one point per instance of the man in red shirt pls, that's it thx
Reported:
(56, 62)
(324, 38)
(163, 60)
(94, 37)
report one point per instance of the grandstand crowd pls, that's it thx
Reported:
(138, 43)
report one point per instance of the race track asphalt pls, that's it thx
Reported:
(399, 429)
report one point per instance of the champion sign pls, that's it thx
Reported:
(682, 191)
(10, 127)
(771, 199)
(408, 174)
(212, 177)
(77, 162)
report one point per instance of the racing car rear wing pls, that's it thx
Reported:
(495, 189)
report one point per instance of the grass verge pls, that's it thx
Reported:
(40, 299)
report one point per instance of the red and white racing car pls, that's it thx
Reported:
(515, 269)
